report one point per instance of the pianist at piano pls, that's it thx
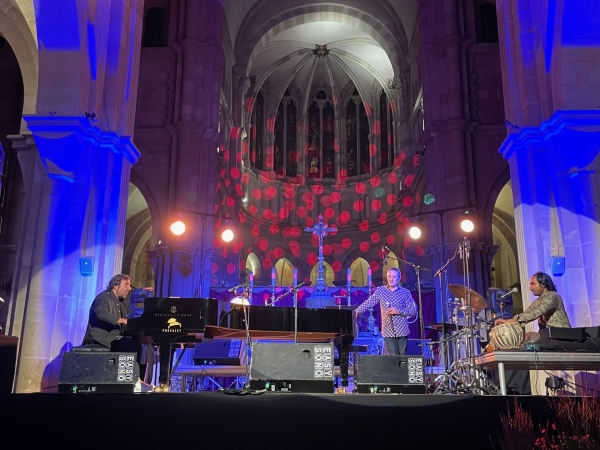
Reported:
(107, 324)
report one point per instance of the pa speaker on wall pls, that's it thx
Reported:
(98, 372)
(292, 367)
(390, 374)
(231, 352)
(558, 265)
(86, 266)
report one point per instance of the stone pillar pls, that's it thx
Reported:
(553, 171)
(196, 167)
(76, 180)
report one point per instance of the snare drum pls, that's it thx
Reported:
(507, 336)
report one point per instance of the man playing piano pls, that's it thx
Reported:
(107, 324)
(397, 305)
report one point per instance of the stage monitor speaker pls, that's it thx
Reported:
(390, 374)
(98, 372)
(292, 367)
(231, 352)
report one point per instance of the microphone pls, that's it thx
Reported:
(511, 292)
(383, 248)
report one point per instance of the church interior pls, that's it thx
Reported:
(322, 136)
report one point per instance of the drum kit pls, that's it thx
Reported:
(460, 344)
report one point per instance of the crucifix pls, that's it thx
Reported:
(320, 230)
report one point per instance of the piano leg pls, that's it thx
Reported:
(344, 366)
(164, 377)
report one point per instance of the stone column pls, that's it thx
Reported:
(76, 180)
(556, 202)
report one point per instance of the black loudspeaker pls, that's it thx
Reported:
(8, 360)
(571, 334)
(98, 372)
(230, 352)
(292, 367)
(390, 374)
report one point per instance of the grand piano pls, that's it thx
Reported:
(331, 324)
(168, 321)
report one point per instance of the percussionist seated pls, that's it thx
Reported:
(107, 324)
(548, 309)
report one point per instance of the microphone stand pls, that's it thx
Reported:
(443, 296)
(293, 290)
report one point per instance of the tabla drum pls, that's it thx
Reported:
(508, 336)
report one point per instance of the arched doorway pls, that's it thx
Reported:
(138, 239)
(505, 265)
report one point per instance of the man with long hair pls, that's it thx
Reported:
(548, 308)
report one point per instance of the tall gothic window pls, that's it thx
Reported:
(285, 154)
(154, 28)
(321, 137)
(358, 160)
(383, 120)
(386, 118)
(257, 143)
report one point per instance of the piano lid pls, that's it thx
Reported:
(174, 316)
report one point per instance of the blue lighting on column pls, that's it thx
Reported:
(91, 40)
(581, 23)
(57, 24)
(550, 18)
(131, 53)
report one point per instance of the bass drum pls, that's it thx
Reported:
(508, 336)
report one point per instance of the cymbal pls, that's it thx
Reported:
(477, 301)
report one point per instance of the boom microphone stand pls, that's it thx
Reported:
(421, 324)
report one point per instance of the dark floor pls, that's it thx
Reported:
(267, 421)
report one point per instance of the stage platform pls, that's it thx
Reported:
(268, 421)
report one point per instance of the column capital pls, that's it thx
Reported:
(59, 139)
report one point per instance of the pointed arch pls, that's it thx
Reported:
(359, 270)
(253, 265)
(284, 272)
(328, 274)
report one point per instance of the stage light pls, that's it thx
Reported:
(178, 228)
(467, 224)
(415, 230)
(227, 231)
